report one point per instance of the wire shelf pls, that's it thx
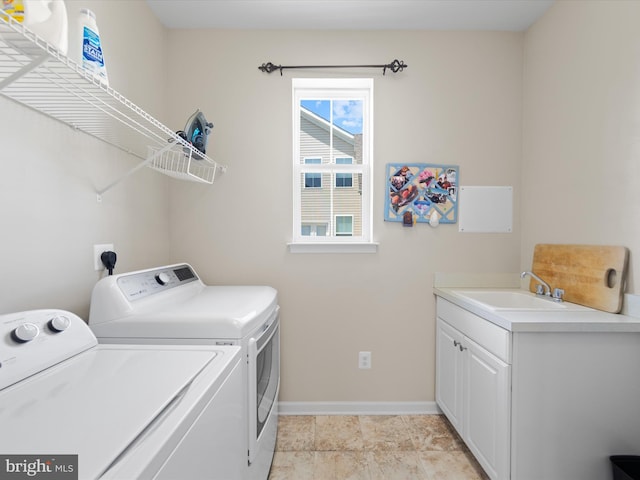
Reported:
(35, 74)
(183, 166)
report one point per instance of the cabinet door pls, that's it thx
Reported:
(487, 409)
(449, 363)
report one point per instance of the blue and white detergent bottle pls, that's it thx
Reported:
(45, 18)
(85, 47)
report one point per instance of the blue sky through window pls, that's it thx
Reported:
(347, 114)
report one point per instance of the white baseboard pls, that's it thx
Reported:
(358, 408)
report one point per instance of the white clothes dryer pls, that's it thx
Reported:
(171, 305)
(115, 411)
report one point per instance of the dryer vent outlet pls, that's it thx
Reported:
(364, 360)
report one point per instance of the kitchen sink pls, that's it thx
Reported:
(516, 300)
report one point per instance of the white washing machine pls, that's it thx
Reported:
(171, 305)
(69, 405)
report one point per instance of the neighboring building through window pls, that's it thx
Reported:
(332, 132)
(344, 180)
(312, 180)
(344, 225)
(314, 230)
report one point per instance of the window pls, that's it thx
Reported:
(344, 180)
(344, 225)
(314, 230)
(332, 161)
(312, 180)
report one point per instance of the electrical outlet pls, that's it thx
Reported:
(364, 360)
(97, 252)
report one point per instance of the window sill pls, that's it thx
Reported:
(368, 247)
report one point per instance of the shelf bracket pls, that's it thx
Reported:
(149, 159)
(23, 71)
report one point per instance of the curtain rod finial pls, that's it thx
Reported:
(270, 67)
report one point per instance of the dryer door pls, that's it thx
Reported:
(264, 381)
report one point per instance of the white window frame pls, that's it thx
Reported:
(334, 88)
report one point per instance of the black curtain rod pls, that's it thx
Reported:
(395, 66)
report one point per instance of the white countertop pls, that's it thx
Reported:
(584, 320)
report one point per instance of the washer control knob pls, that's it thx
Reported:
(162, 278)
(25, 332)
(59, 323)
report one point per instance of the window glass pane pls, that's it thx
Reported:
(331, 165)
(347, 115)
(321, 108)
(314, 230)
(344, 226)
(315, 203)
(312, 180)
(324, 194)
(318, 205)
(347, 136)
(315, 133)
(344, 180)
(347, 202)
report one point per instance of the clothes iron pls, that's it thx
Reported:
(196, 132)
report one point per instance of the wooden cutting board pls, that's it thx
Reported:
(591, 275)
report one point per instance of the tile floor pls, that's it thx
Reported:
(380, 447)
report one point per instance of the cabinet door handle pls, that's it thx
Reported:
(459, 345)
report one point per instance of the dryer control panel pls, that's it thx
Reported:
(118, 296)
(141, 284)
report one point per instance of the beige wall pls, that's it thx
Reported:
(458, 102)
(581, 143)
(564, 134)
(49, 216)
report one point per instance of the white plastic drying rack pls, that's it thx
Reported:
(34, 73)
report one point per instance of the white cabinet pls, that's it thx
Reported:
(487, 401)
(449, 375)
(473, 386)
(544, 401)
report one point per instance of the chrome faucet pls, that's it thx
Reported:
(542, 288)
(558, 293)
